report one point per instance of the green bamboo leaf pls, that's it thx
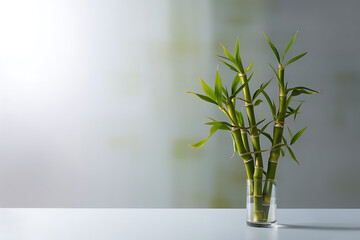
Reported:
(302, 88)
(288, 115)
(228, 65)
(251, 127)
(228, 54)
(207, 90)
(289, 131)
(250, 67)
(288, 47)
(222, 57)
(256, 93)
(277, 76)
(218, 88)
(240, 118)
(267, 135)
(219, 123)
(279, 145)
(258, 102)
(249, 78)
(235, 84)
(297, 111)
(262, 87)
(297, 136)
(225, 92)
(288, 102)
(282, 152)
(265, 126)
(212, 131)
(292, 155)
(295, 58)
(293, 111)
(237, 56)
(215, 122)
(272, 108)
(298, 92)
(244, 100)
(205, 98)
(273, 48)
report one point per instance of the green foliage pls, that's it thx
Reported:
(207, 90)
(229, 66)
(268, 136)
(265, 126)
(295, 58)
(220, 95)
(288, 47)
(240, 118)
(258, 102)
(271, 105)
(238, 58)
(275, 51)
(290, 132)
(205, 98)
(213, 129)
(292, 154)
(297, 136)
(262, 87)
(250, 67)
(228, 55)
(218, 88)
(235, 84)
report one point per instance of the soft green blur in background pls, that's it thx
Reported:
(94, 110)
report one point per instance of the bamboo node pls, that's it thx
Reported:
(254, 136)
(248, 104)
(269, 180)
(243, 131)
(247, 160)
(258, 196)
(259, 167)
(273, 162)
(280, 67)
(242, 74)
(233, 129)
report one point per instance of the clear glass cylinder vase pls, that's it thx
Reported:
(261, 203)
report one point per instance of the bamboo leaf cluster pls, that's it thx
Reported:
(228, 101)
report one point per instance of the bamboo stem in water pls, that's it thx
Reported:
(277, 138)
(258, 171)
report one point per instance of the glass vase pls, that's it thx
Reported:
(261, 208)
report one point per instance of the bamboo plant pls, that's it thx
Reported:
(227, 101)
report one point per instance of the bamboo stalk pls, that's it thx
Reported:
(258, 171)
(242, 151)
(277, 138)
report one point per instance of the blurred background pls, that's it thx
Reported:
(94, 110)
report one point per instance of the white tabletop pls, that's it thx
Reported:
(192, 224)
